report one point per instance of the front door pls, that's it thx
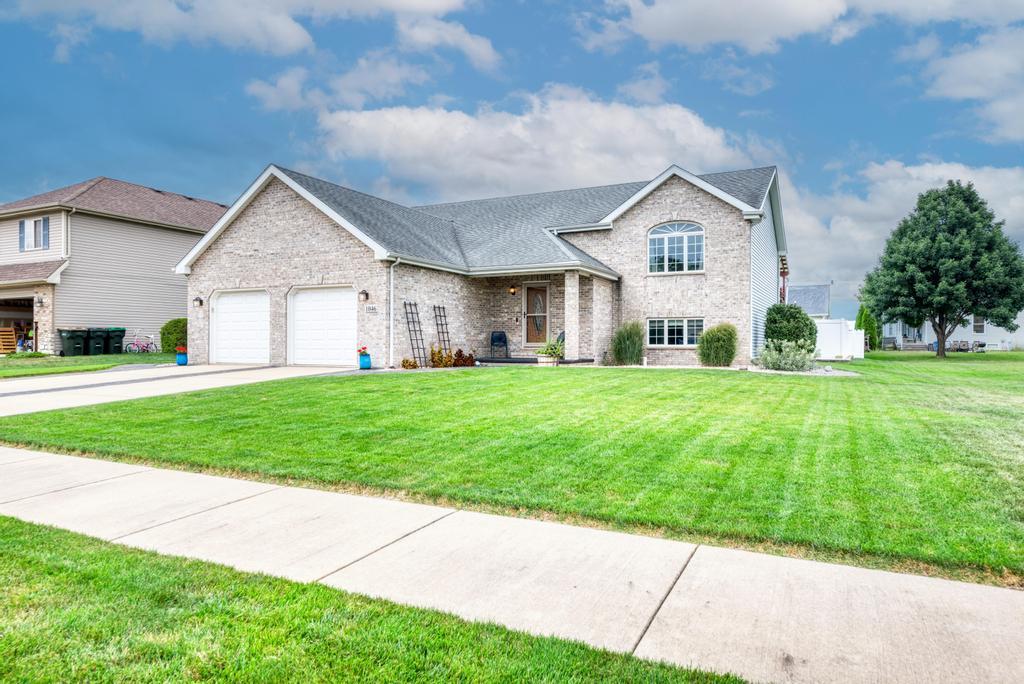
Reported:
(535, 315)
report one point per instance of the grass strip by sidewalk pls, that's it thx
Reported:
(78, 609)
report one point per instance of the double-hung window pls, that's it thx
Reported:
(674, 332)
(675, 248)
(34, 234)
(979, 324)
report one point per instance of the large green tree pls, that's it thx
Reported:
(947, 260)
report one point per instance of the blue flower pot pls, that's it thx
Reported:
(182, 359)
(364, 362)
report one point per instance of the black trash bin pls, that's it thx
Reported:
(72, 342)
(115, 340)
(97, 341)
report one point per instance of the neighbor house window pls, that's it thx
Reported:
(675, 248)
(34, 234)
(979, 324)
(674, 332)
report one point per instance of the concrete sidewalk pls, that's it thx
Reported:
(762, 617)
(68, 390)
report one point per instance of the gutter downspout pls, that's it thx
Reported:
(391, 312)
(67, 233)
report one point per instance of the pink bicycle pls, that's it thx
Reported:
(142, 344)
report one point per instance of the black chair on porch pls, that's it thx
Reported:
(499, 340)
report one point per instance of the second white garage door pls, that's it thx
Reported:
(322, 326)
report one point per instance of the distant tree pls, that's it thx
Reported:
(869, 324)
(947, 260)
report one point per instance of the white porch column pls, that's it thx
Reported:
(572, 315)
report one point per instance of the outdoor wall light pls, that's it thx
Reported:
(512, 290)
(197, 302)
(364, 296)
(40, 301)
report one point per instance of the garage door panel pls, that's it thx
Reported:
(240, 328)
(323, 324)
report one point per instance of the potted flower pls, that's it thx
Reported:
(550, 353)
(182, 355)
(364, 358)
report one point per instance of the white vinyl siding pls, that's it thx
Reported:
(764, 276)
(10, 252)
(121, 274)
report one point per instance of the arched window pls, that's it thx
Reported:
(675, 248)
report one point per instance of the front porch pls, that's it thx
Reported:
(529, 311)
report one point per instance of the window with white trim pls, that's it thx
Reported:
(979, 324)
(675, 248)
(33, 234)
(674, 332)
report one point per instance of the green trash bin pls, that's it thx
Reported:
(97, 341)
(72, 342)
(115, 340)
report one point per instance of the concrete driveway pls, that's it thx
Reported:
(67, 390)
(765, 618)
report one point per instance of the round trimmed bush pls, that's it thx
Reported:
(789, 323)
(174, 334)
(717, 346)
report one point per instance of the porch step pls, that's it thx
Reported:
(915, 346)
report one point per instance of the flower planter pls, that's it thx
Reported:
(545, 360)
(182, 358)
(364, 362)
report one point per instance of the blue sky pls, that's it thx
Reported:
(861, 103)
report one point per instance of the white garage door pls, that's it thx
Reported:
(240, 328)
(323, 326)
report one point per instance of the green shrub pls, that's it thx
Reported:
(717, 346)
(174, 334)
(410, 364)
(628, 344)
(788, 322)
(553, 348)
(26, 355)
(787, 356)
(871, 327)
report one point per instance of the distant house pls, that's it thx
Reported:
(96, 254)
(902, 336)
(815, 300)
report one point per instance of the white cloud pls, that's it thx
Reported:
(759, 26)
(562, 137)
(426, 33)
(648, 87)
(737, 79)
(376, 76)
(989, 71)
(285, 93)
(270, 26)
(924, 48)
(68, 37)
(841, 235)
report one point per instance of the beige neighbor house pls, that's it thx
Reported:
(303, 271)
(96, 254)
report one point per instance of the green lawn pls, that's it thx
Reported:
(78, 609)
(915, 461)
(21, 366)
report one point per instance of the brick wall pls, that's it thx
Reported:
(280, 241)
(720, 294)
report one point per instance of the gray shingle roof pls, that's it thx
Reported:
(501, 232)
(813, 299)
(747, 185)
(399, 229)
(110, 196)
(32, 272)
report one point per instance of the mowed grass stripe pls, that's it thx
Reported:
(916, 459)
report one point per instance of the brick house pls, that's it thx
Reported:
(302, 271)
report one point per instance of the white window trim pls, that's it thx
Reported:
(30, 230)
(974, 325)
(664, 238)
(686, 321)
